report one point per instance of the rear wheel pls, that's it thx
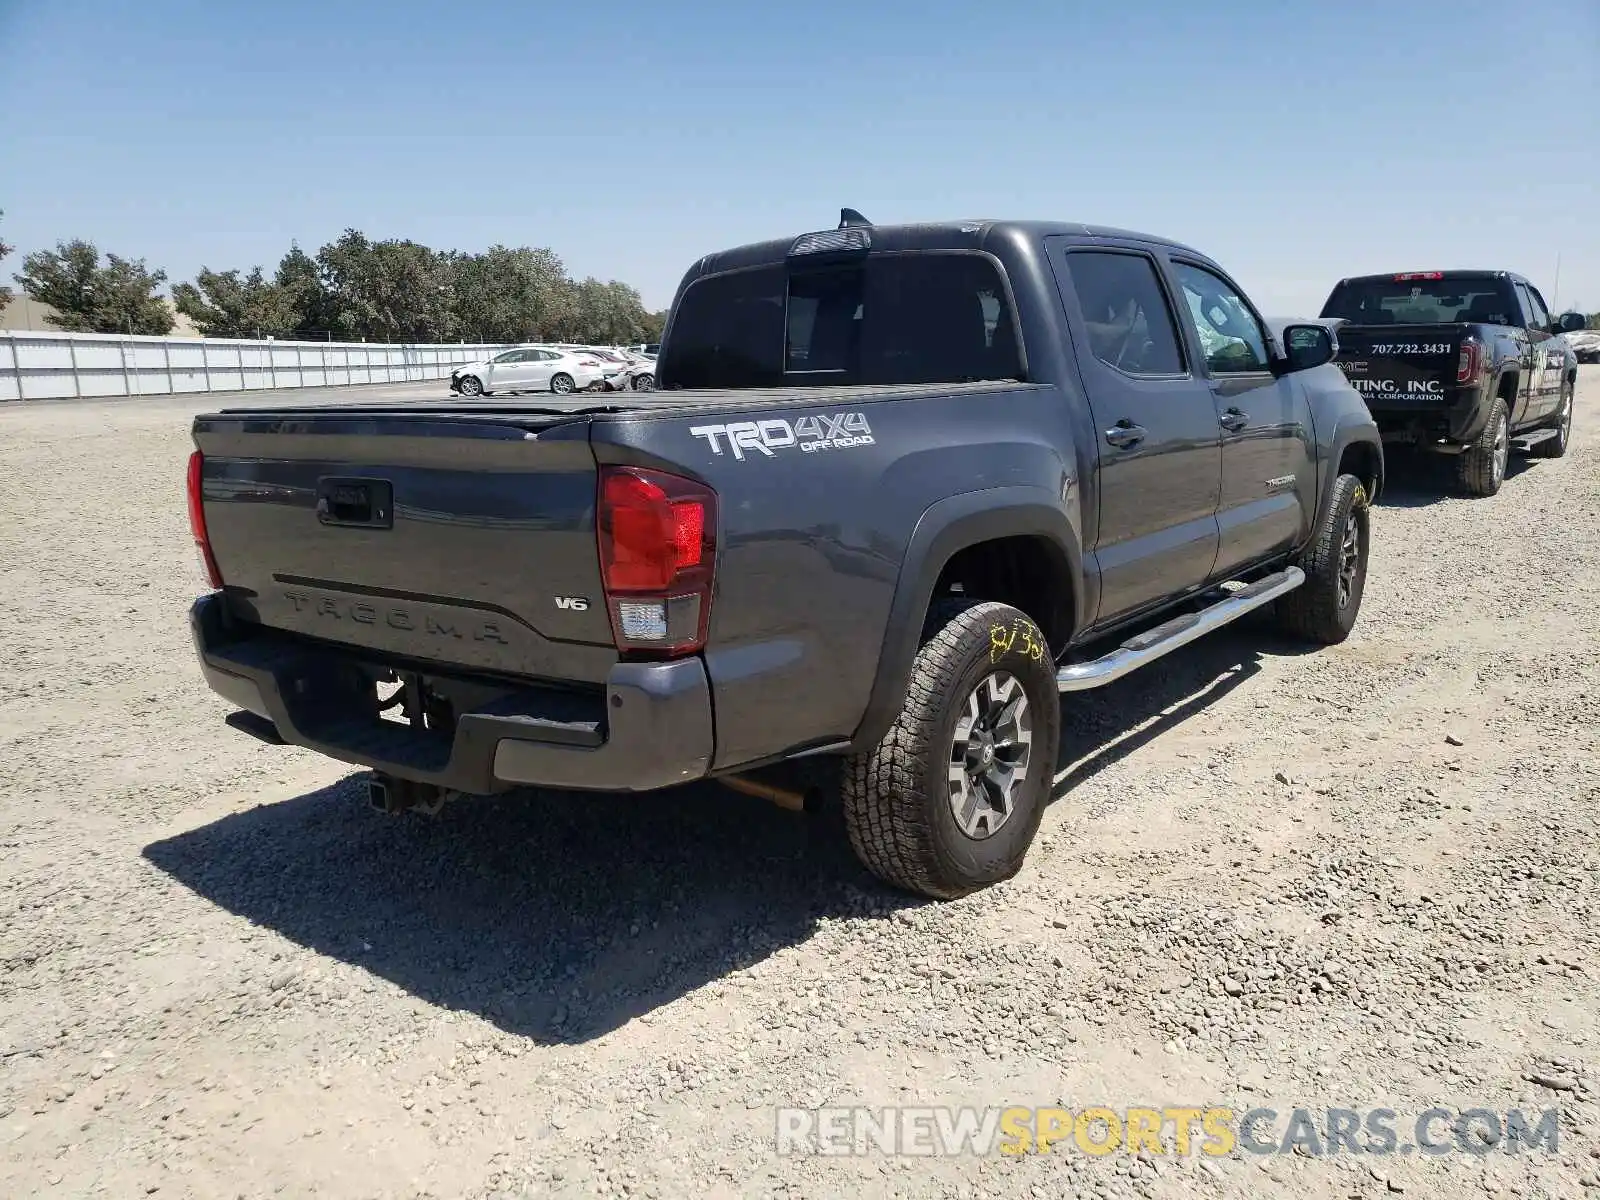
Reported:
(471, 385)
(1481, 468)
(561, 383)
(1556, 447)
(949, 801)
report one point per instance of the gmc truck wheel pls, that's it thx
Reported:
(1481, 468)
(949, 801)
(1323, 609)
(1556, 447)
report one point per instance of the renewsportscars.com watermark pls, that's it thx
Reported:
(1211, 1131)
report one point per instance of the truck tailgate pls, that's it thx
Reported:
(1401, 363)
(466, 539)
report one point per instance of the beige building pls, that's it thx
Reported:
(25, 313)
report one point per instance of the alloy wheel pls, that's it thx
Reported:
(1349, 558)
(990, 755)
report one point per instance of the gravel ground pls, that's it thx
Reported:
(1364, 877)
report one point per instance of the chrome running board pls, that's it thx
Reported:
(1144, 649)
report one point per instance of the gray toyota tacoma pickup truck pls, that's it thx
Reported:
(904, 487)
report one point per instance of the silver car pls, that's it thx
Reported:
(528, 369)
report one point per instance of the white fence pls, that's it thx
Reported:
(44, 366)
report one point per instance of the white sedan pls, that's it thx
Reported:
(613, 363)
(633, 373)
(528, 369)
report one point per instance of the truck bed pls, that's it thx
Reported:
(462, 534)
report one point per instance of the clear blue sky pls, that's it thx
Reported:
(1294, 142)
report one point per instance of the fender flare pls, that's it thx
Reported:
(1511, 369)
(1345, 436)
(945, 528)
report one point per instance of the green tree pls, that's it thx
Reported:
(222, 304)
(604, 313)
(390, 291)
(300, 278)
(5, 292)
(506, 295)
(119, 297)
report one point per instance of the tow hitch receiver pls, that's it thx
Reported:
(390, 795)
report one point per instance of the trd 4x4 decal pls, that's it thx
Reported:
(821, 431)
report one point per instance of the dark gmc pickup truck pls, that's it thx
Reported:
(905, 486)
(1459, 362)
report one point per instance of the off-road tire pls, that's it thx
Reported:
(1480, 469)
(895, 798)
(1323, 609)
(1556, 447)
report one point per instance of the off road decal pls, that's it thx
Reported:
(821, 431)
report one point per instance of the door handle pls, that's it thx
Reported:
(1234, 420)
(1125, 435)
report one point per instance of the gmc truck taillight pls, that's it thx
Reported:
(658, 547)
(1471, 361)
(197, 520)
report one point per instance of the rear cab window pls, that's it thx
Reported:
(1423, 300)
(886, 318)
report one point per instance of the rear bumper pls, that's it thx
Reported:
(651, 728)
(1458, 415)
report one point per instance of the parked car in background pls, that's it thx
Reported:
(640, 375)
(1466, 363)
(529, 369)
(613, 365)
(1585, 345)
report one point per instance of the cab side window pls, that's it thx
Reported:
(1231, 337)
(1125, 312)
(1538, 314)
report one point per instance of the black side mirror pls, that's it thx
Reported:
(1307, 346)
(1571, 322)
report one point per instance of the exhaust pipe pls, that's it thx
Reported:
(783, 797)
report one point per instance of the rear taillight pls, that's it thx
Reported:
(658, 546)
(1407, 276)
(197, 519)
(1471, 361)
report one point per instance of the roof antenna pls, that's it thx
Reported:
(849, 216)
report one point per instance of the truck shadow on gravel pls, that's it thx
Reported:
(1414, 479)
(1102, 727)
(561, 917)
